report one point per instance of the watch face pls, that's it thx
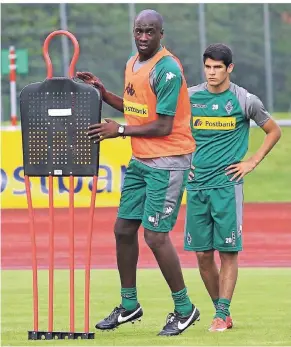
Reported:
(121, 129)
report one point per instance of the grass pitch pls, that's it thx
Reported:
(260, 309)
(270, 181)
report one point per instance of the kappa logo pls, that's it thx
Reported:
(215, 107)
(198, 122)
(169, 76)
(129, 89)
(168, 210)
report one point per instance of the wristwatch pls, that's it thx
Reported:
(121, 130)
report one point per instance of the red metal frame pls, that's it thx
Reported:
(71, 251)
(34, 258)
(46, 56)
(51, 223)
(51, 254)
(88, 262)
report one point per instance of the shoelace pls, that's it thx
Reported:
(170, 317)
(217, 323)
(111, 314)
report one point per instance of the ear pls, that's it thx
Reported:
(162, 33)
(230, 68)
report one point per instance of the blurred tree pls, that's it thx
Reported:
(103, 32)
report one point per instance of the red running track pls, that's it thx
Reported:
(266, 235)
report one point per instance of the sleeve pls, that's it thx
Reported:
(167, 85)
(256, 111)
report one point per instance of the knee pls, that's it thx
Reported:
(155, 240)
(125, 229)
(205, 259)
(228, 257)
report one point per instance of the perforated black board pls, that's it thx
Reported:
(55, 115)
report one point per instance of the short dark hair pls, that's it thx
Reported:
(218, 51)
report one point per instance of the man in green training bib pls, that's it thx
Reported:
(221, 114)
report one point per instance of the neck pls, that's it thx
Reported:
(147, 57)
(220, 88)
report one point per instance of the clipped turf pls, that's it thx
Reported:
(260, 309)
(270, 181)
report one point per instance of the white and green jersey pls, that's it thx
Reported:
(220, 126)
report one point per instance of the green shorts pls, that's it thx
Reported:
(152, 195)
(214, 219)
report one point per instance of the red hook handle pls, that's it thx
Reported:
(47, 57)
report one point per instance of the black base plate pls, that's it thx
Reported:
(58, 335)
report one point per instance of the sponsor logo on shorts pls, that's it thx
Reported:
(189, 239)
(239, 232)
(233, 239)
(168, 210)
(214, 123)
(135, 109)
(151, 219)
(154, 220)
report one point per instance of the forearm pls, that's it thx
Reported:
(269, 142)
(113, 100)
(152, 129)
